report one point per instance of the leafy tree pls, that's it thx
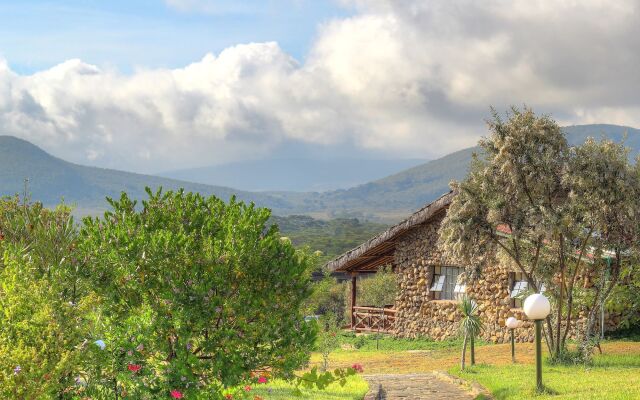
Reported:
(556, 213)
(196, 294)
(43, 322)
(328, 296)
(328, 339)
(470, 326)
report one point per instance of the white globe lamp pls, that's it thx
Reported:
(512, 323)
(537, 306)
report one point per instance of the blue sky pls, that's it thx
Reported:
(155, 85)
(125, 34)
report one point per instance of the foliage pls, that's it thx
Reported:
(354, 389)
(197, 292)
(327, 296)
(328, 339)
(568, 212)
(42, 322)
(330, 237)
(470, 326)
(374, 290)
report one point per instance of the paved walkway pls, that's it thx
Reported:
(413, 387)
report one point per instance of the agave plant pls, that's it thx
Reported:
(470, 327)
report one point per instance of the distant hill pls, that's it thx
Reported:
(294, 174)
(387, 200)
(51, 179)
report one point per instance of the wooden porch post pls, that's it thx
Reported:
(354, 289)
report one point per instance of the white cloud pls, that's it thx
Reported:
(413, 78)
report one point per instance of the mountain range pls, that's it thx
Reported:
(294, 174)
(387, 199)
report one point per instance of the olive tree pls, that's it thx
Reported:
(556, 212)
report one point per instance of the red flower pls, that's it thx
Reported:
(134, 368)
(228, 396)
(262, 379)
(176, 394)
(247, 388)
(358, 367)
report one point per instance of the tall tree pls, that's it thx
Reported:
(557, 213)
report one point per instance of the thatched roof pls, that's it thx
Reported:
(378, 250)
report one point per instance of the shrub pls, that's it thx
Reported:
(196, 292)
(43, 320)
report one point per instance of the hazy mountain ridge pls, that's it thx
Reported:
(387, 199)
(294, 174)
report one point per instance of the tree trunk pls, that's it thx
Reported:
(473, 351)
(464, 351)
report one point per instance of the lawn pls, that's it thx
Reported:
(355, 389)
(614, 375)
(611, 377)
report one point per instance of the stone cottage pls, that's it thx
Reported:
(429, 285)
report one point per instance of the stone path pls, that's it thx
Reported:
(413, 387)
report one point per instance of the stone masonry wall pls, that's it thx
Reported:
(415, 256)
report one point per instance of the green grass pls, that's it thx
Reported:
(612, 376)
(388, 343)
(355, 389)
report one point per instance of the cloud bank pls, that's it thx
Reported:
(411, 78)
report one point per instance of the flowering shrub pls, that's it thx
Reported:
(181, 298)
(196, 293)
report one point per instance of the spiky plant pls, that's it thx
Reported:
(470, 327)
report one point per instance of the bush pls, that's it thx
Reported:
(196, 294)
(327, 296)
(376, 290)
(43, 320)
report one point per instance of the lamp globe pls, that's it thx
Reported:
(512, 323)
(537, 306)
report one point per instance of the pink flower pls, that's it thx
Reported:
(358, 367)
(262, 379)
(134, 368)
(247, 388)
(176, 394)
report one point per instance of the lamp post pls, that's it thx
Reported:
(537, 308)
(512, 323)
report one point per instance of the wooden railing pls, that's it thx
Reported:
(373, 319)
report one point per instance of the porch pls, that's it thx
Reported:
(373, 319)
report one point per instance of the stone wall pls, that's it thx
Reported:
(415, 256)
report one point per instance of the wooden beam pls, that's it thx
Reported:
(354, 290)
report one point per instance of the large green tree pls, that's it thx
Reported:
(196, 294)
(557, 213)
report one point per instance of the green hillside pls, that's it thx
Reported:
(385, 200)
(331, 237)
(51, 179)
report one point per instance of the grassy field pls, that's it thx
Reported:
(355, 389)
(612, 376)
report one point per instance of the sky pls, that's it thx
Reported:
(155, 85)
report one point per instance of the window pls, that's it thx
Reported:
(445, 283)
(518, 287)
(460, 290)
